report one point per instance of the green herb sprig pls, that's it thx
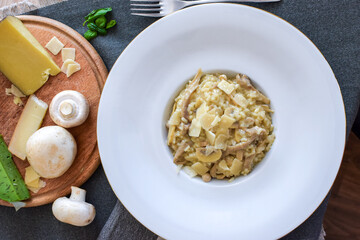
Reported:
(97, 23)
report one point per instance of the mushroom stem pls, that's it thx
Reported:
(77, 194)
(67, 108)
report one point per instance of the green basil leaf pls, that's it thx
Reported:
(91, 27)
(101, 21)
(110, 24)
(90, 14)
(94, 28)
(90, 34)
(100, 12)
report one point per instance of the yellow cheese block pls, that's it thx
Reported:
(22, 58)
(32, 179)
(30, 121)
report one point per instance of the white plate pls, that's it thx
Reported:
(309, 119)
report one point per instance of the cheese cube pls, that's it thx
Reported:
(240, 100)
(195, 128)
(54, 45)
(210, 137)
(72, 68)
(226, 121)
(226, 87)
(216, 121)
(201, 110)
(68, 53)
(65, 67)
(22, 58)
(32, 179)
(175, 118)
(206, 120)
(30, 121)
(199, 168)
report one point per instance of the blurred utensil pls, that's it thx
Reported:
(160, 8)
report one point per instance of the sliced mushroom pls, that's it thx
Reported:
(214, 173)
(237, 147)
(236, 167)
(235, 125)
(179, 152)
(248, 162)
(249, 121)
(208, 155)
(188, 92)
(185, 129)
(254, 132)
(244, 82)
(220, 141)
(240, 155)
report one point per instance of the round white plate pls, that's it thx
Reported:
(285, 188)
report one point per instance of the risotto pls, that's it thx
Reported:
(220, 127)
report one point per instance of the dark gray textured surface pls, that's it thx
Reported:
(334, 26)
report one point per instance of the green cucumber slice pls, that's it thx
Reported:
(12, 185)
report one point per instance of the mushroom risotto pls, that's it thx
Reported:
(220, 127)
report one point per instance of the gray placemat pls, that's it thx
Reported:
(332, 25)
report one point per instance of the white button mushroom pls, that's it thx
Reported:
(51, 151)
(69, 109)
(74, 210)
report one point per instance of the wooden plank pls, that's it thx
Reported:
(342, 218)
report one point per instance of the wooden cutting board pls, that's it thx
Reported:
(89, 81)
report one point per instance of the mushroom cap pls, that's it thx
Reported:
(208, 155)
(69, 109)
(51, 151)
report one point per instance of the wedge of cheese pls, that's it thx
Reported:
(30, 121)
(22, 58)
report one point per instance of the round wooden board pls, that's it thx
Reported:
(89, 81)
